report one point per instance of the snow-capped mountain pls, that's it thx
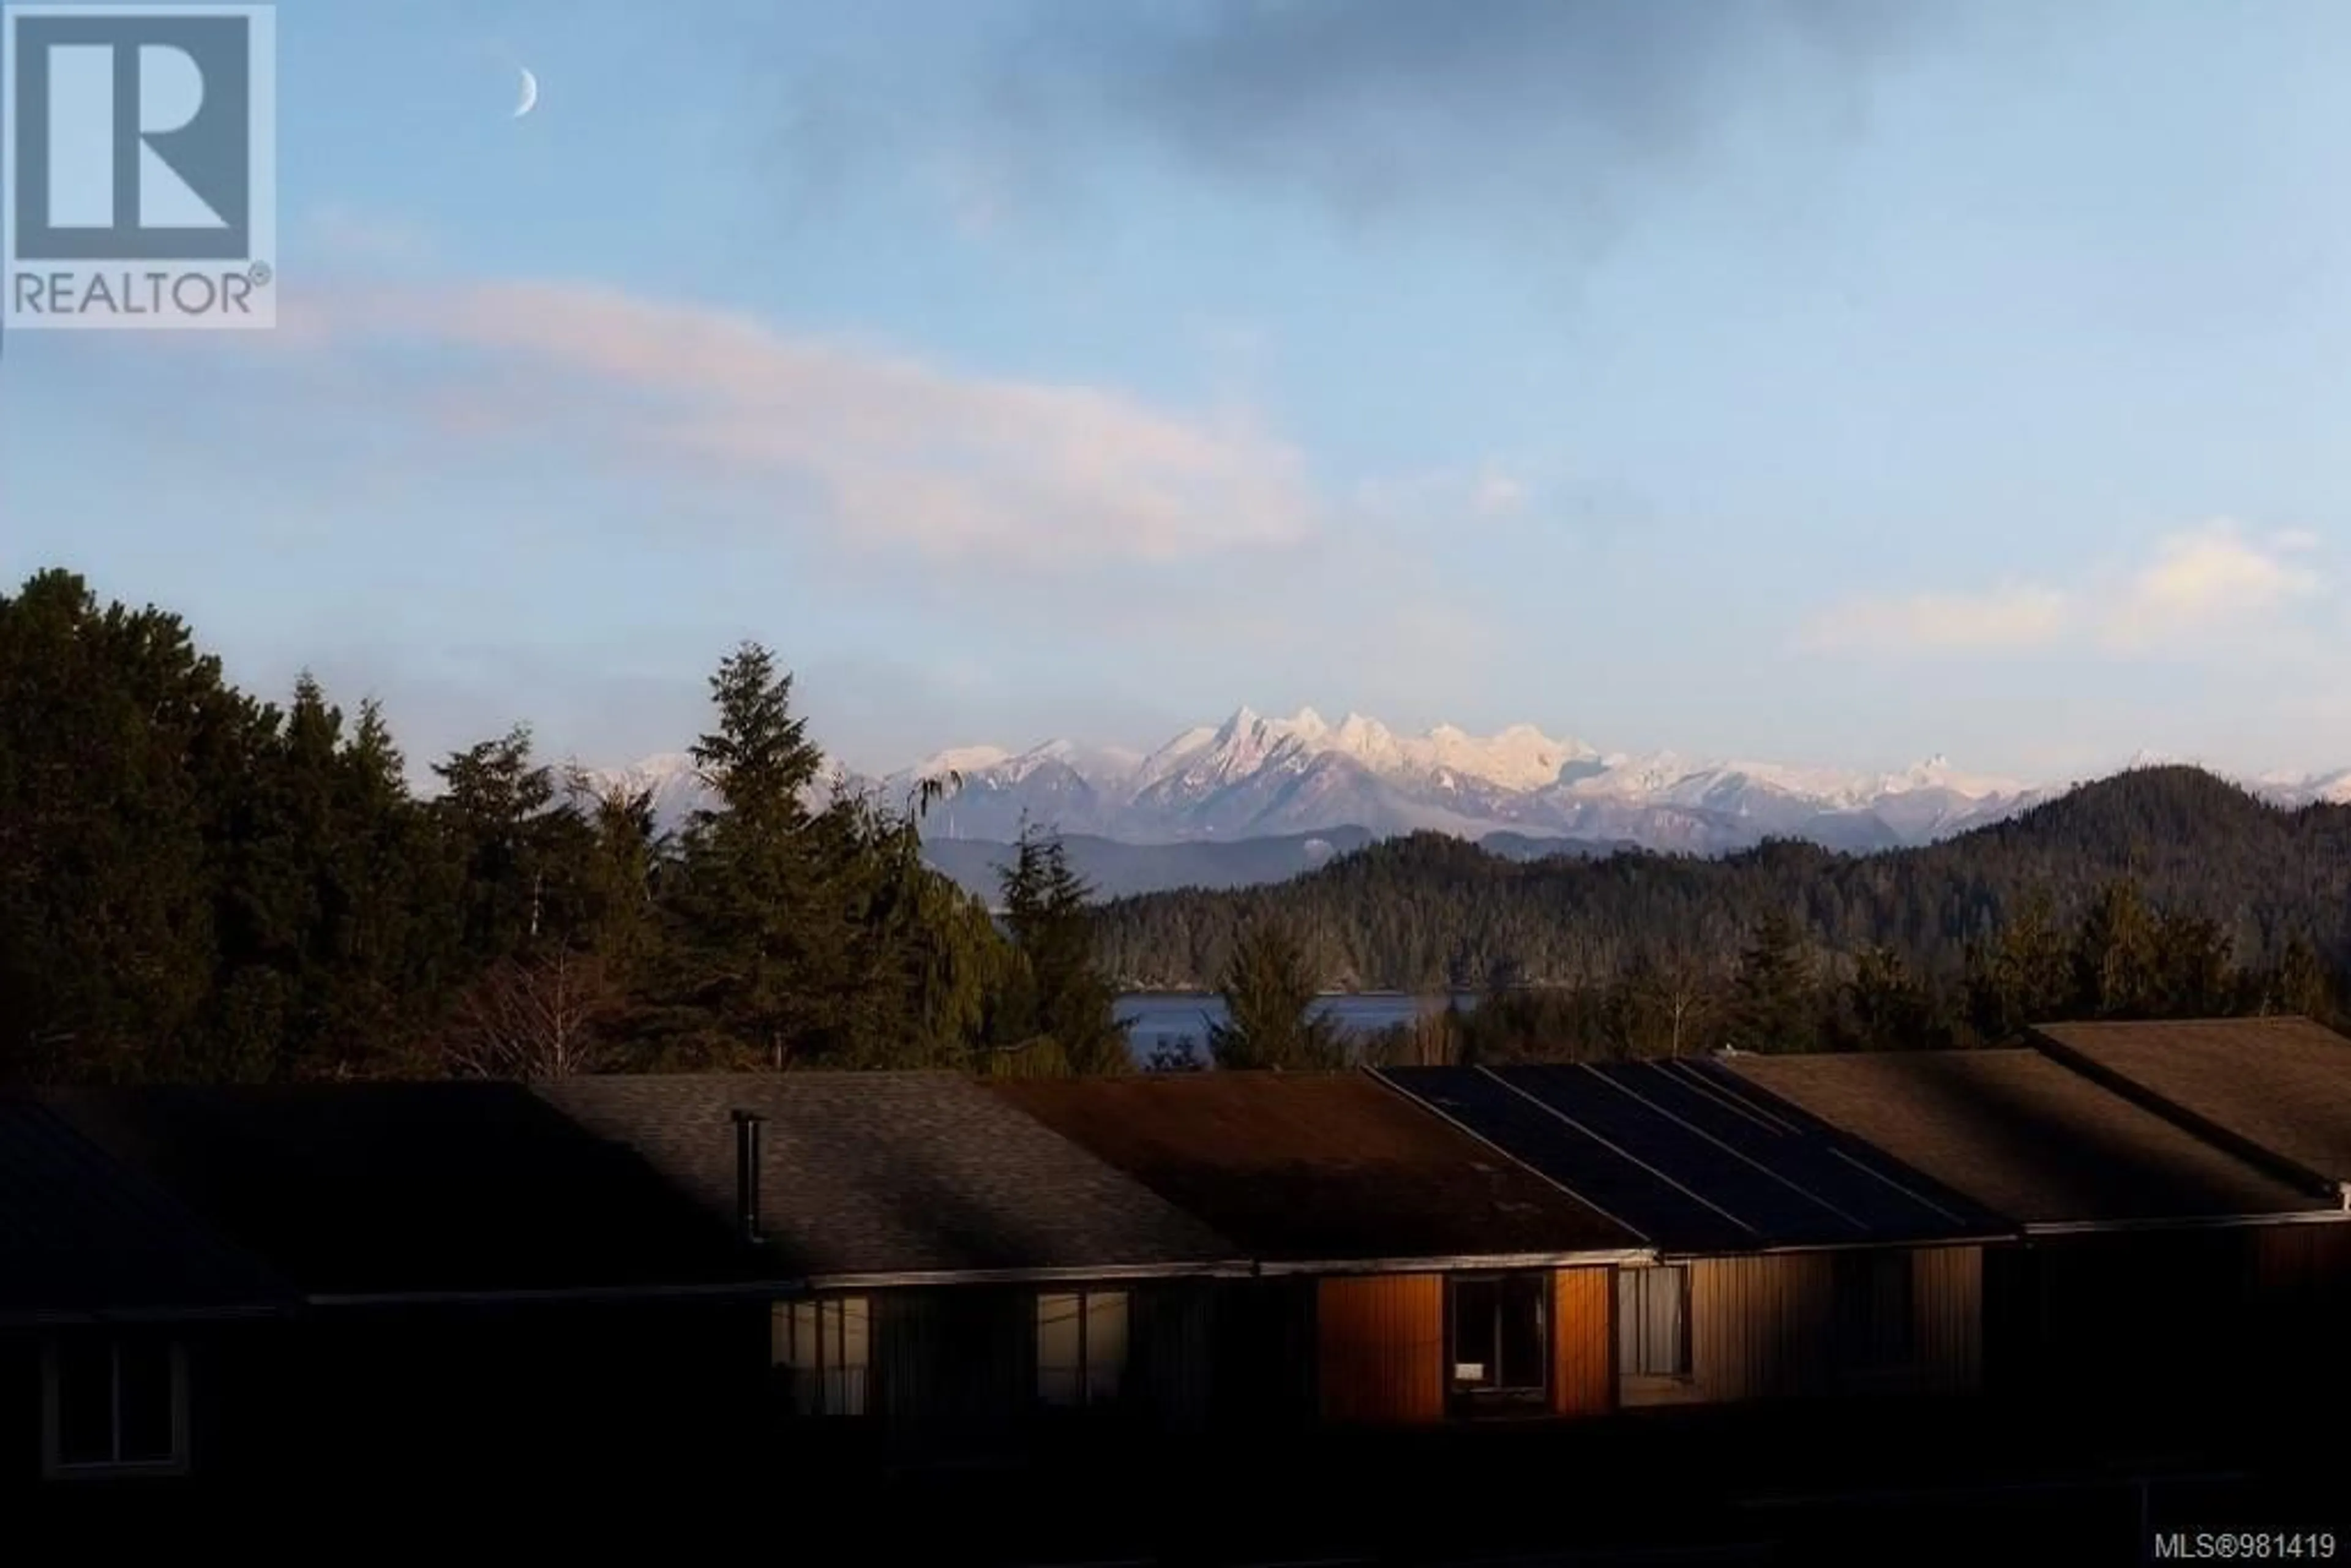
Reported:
(1254, 777)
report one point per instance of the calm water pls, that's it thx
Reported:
(1181, 1018)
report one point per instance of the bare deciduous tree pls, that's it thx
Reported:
(536, 1019)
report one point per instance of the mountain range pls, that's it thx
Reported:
(1297, 789)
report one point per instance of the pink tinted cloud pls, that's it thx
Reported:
(894, 452)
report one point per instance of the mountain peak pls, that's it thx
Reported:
(1255, 776)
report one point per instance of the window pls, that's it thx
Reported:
(1081, 1346)
(1873, 1309)
(823, 1347)
(1498, 1348)
(114, 1404)
(1653, 1322)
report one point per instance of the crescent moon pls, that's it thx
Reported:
(530, 93)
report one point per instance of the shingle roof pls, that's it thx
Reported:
(1326, 1168)
(79, 1234)
(2025, 1137)
(415, 1188)
(1695, 1158)
(897, 1173)
(2282, 1084)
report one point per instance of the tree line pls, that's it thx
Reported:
(196, 884)
(2161, 893)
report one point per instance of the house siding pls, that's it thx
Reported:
(1760, 1326)
(1948, 1307)
(1381, 1349)
(1584, 1342)
(1769, 1327)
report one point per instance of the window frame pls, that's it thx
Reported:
(1685, 1359)
(830, 1334)
(1493, 1396)
(1084, 1298)
(54, 1466)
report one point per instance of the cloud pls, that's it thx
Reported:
(2018, 615)
(2213, 576)
(881, 450)
(2215, 580)
(1439, 495)
(1367, 106)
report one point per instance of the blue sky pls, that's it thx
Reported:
(1840, 383)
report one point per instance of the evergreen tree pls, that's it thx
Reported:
(2193, 975)
(2114, 955)
(2296, 984)
(758, 953)
(120, 749)
(526, 853)
(1056, 1012)
(2023, 977)
(1774, 1003)
(1270, 990)
(1886, 1007)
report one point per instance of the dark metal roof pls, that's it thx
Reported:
(2027, 1137)
(1320, 1167)
(895, 1174)
(2280, 1084)
(80, 1235)
(372, 1189)
(1696, 1160)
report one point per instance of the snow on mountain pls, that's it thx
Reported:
(669, 777)
(1258, 776)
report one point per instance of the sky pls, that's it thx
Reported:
(1836, 383)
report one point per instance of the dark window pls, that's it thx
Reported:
(1499, 1350)
(824, 1347)
(1653, 1322)
(116, 1404)
(1874, 1309)
(1081, 1346)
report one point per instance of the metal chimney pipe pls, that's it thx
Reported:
(747, 1172)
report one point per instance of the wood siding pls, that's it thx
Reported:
(1773, 1327)
(1381, 1349)
(1761, 1327)
(1948, 1308)
(1584, 1342)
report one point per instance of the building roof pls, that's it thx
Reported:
(888, 1175)
(2282, 1085)
(1696, 1159)
(1302, 1168)
(2026, 1138)
(80, 1235)
(415, 1189)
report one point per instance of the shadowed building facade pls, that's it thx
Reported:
(1408, 1273)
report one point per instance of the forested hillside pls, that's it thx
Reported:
(2162, 891)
